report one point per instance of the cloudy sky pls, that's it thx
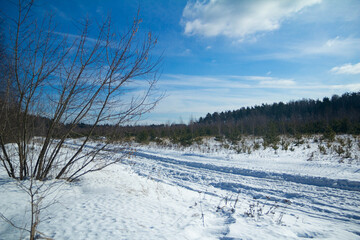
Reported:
(224, 55)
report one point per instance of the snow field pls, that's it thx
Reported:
(190, 193)
(118, 204)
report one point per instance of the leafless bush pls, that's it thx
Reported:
(57, 81)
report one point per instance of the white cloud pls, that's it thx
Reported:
(225, 81)
(207, 87)
(347, 87)
(337, 46)
(347, 69)
(238, 19)
(278, 83)
(256, 78)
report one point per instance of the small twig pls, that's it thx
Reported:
(11, 223)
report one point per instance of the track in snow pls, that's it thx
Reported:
(318, 197)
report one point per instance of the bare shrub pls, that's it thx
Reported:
(57, 82)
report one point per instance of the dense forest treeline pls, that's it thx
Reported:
(340, 113)
(329, 116)
(335, 115)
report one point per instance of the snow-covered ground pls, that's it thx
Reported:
(205, 191)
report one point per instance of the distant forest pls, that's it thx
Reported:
(338, 114)
(329, 116)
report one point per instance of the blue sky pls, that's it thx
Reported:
(224, 55)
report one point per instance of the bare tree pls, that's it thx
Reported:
(98, 76)
(50, 82)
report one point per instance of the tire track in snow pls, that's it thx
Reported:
(304, 194)
(308, 180)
